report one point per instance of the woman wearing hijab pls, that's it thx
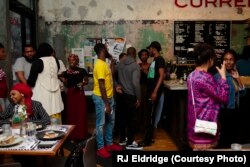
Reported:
(75, 78)
(21, 94)
(44, 81)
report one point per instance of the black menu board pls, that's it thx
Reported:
(189, 33)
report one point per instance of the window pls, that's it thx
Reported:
(22, 25)
(27, 3)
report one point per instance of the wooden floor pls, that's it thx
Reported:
(163, 141)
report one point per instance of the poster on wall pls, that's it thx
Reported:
(87, 55)
(79, 52)
(115, 46)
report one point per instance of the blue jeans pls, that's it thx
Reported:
(104, 119)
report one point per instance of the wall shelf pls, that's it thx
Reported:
(185, 65)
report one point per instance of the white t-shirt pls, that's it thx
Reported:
(21, 65)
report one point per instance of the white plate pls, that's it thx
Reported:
(17, 140)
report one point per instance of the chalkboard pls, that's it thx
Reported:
(189, 33)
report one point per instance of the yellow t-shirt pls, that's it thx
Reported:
(102, 71)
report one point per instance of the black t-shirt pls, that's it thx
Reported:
(74, 76)
(153, 74)
(144, 77)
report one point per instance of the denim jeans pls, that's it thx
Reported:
(104, 120)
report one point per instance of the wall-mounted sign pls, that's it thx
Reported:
(214, 3)
(189, 33)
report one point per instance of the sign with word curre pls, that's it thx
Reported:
(213, 3)
(187, 34)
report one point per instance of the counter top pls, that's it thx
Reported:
(175, 85)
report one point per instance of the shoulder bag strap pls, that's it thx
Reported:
(192, 93)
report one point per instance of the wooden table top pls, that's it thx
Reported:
(47, 152)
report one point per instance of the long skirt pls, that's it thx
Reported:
(76, 113)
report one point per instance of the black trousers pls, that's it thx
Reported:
(150, 117)
(229, 127)
(118, 100)
(127, 117)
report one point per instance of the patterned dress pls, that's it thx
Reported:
(209, 95)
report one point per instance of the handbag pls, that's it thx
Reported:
(203, 126)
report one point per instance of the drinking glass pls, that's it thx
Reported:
(7, 131)
(236, 147)
(31, 129)
(53, 123)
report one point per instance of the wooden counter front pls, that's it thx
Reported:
(176, 111)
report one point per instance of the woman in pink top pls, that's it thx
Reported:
(208, 93)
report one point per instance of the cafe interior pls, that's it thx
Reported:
(75, 26)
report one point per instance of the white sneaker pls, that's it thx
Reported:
(124, 142)
(134, 146)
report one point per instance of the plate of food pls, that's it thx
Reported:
(7, 141)
(50, 135)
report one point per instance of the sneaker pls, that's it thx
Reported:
(134, 146)
(102, 152)
(113, 147)
(123, 142)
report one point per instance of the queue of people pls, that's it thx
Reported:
(137, 89)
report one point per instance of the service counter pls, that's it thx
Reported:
(175, 111)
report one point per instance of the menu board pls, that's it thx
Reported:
(189, 33)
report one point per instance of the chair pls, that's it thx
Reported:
(84, 154)
(89, 153)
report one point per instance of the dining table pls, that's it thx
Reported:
(30, 145)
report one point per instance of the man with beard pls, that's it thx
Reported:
(154, 89)
(22, 65)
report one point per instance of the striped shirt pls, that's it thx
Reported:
(39, 116)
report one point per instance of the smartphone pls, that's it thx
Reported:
(46, 144)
